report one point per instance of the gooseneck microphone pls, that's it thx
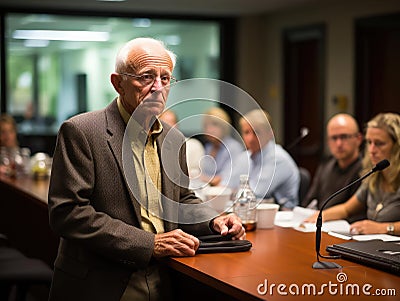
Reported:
(332, 265)
(303, 133)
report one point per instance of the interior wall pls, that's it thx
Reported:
(260, 51)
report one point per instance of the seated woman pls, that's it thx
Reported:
(221, 149)
(379, 195)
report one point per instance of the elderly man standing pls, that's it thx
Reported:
(343, 165)
(272, 171)
(117, 215)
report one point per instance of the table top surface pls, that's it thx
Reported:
(279, 257)
(284, 256)
(34, 188)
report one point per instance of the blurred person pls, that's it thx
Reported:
(194, 148)
(272, 171)
(8, 132)
(169, 117)
(8, 144)
(342, 166)
(221, 149)
(110, 244)
(379, 194)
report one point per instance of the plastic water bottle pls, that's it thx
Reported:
(245, 204)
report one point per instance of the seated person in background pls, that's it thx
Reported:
(194, 148)
(8, 132)
(221, 149)
(272, 171)
(169, 117)
(342, 167)
(8, 142)
(380, 193)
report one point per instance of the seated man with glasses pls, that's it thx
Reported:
(342, 166)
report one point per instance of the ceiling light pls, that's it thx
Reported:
(172, 40)
(141, 22)
(36, 43)
(62, 35)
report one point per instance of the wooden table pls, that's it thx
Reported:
(280, 258)
(24, 217)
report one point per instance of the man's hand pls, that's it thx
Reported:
(175, 243)
(229, 224)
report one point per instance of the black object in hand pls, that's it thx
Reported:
(222, 244)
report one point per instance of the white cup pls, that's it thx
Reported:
(266, 215)
(218, 197)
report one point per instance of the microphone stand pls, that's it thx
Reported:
(332, 265)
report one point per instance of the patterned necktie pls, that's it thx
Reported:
(153, 184)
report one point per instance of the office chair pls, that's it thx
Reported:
(20, 271)
(305, 180)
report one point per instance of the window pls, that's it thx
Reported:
(58, 66)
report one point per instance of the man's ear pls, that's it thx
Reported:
(116, 81)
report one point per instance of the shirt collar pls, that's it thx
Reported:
(137, 129)
(124, 114)
(263, 151)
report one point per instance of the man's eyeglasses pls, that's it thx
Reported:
(147, 79)
(342, 137)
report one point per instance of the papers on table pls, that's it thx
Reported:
(384, 237)
(365, 237)
(339, 228)
(293, 219)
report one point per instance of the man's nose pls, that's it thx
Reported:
(339, 141)
(157, 83)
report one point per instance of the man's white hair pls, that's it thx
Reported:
(121, 61)
(258, 119)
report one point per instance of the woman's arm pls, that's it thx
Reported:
(340, 211)
(372, 227)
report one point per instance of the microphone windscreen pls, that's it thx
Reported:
(304, 131)
(381, 165)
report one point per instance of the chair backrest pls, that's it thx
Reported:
(305, 179)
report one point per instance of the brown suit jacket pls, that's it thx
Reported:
(95, 213)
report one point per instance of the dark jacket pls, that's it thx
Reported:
(95, 213)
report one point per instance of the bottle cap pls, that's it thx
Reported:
(244, 178)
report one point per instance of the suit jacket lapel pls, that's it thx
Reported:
(115, 130)
(169, 157)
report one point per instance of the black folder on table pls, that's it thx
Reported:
(216, 243)
(380, 254)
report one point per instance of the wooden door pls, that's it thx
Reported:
(304, 93)
(377, 66)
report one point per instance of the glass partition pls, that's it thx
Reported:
(58, 66)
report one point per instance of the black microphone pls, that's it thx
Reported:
(303, 133)
(332, 265)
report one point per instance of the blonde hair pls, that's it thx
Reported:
(389, 122)
(220, 118)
